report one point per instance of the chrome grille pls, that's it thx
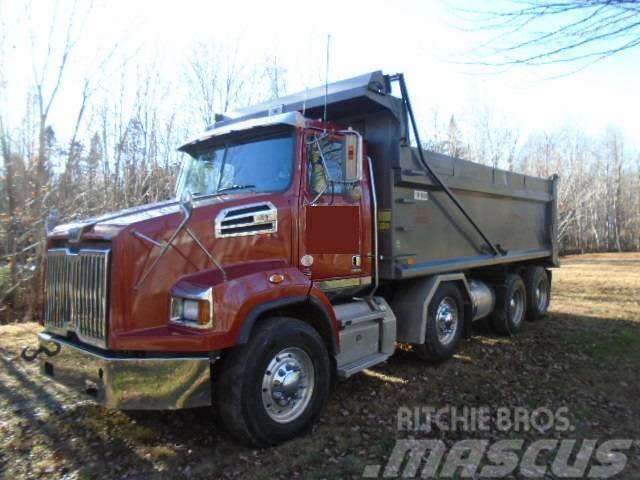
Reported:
(76, 293)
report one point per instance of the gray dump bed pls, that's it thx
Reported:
(421, 231)
(428, 234)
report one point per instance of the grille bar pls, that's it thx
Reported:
(76, 293)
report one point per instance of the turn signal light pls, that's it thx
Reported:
(204, 313)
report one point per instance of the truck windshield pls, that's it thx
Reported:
(264, 165)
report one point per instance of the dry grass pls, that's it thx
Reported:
(599, 285)
(584, 357)
(13, 334)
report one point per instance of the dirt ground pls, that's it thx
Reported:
(584, 357)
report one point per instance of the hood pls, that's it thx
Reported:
(108, 225)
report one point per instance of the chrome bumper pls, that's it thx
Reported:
(127, 383)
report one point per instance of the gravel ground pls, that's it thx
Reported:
(585, 357)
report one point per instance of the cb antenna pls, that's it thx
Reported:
(326, 77)
(304, 100)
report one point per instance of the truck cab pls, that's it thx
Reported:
(315, 169)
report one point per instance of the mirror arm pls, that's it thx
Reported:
(142, 236)
(206, 252)
(317, 197)
(165, 247)
(326, 173)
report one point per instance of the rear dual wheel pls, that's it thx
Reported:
(538, 286)
(511, 306)
(519, 299)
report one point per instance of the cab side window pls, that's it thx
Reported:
(332, 151)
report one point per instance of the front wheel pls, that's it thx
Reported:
(273, 387)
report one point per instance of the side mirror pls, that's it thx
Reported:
(352, 166)
(352, 156)
(186, 203)
(52, 220)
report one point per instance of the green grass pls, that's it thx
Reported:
(610, 347)
(623, 345)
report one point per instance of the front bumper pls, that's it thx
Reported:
(127, 383)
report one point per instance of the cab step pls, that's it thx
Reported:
(367, 334)
(360, 310)
(359, 317)
(346, 371)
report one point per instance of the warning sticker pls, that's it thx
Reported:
(384, 220)
(420, 195)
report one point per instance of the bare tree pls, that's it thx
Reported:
(218, 81)
(535, 32)
(491, 140)
(202, 79)
(275, 76)
(48, 73)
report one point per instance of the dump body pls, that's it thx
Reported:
(423, 233)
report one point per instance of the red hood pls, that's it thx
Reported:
(109, 225)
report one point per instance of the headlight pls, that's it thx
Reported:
(194, 311)
(191, 310)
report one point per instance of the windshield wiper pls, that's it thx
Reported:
(235, 187)
(222, 190)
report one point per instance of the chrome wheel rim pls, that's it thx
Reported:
(516, 306)
(542, 296)
(447, 320)
(287, 385)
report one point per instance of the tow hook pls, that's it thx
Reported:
(27, 356)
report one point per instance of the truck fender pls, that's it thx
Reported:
(293, 305)
(250, 319)
(411, 302)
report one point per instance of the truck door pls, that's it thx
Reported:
(332, 244)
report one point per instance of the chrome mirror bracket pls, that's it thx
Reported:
(186, 205)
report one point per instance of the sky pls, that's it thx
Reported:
(422, 39)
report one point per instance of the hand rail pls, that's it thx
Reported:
(399, 77)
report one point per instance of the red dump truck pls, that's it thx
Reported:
(310, 235)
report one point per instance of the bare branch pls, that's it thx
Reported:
(539, 32)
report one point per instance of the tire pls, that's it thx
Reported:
(536, 281)
(511, 306)
(254, 407)
(445, 325)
